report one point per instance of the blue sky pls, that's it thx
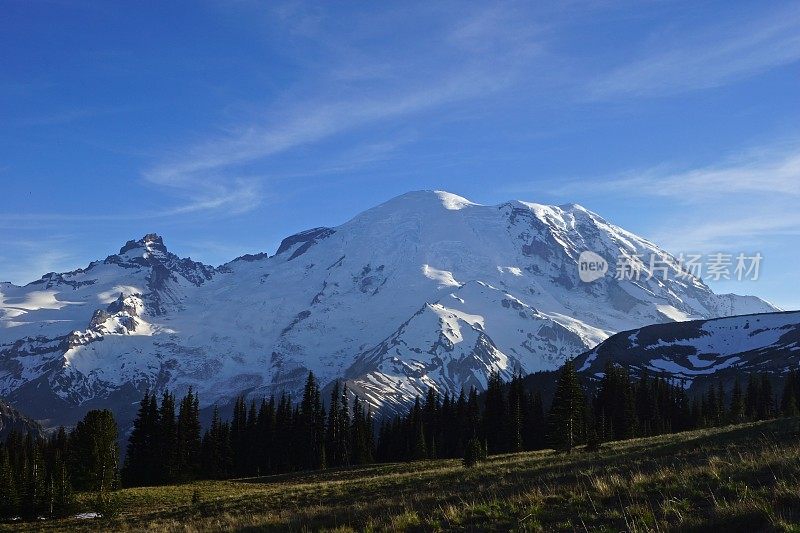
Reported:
(225, 126)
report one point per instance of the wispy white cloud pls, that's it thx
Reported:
(744, 200)
(208, 173)
(224, 200)
(34, 257)
(773, 170)
(740, 230)
(477, 52)
(486, 51)
(720, 54)
(309, 125)
(66, 116)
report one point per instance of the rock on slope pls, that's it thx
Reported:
(427, 289)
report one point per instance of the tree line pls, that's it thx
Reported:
(276, 436)
(39, 476)
(267, 437)
(507, 418)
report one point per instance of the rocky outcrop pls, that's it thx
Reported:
(13, 420)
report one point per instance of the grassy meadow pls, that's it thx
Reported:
(737, 478)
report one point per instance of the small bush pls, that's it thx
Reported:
(593, 443)
(473, 453)
(106, 505)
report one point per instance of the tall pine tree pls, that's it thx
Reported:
(188, 438)
(567, 413)
(93, 452)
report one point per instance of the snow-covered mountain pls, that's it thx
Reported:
(700, 352)
(427, 289)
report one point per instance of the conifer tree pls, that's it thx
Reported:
(430, 419)
(188, 438)
(420, 447)
(167, 439)
(696, 414)
(320, 416)
(473, 414)
(534, 427)
(225, 449)
(333, 426)
(34, 485)
(94, 455)
(722, 416)
(495, 415)
(8, 489)
(266, 434)
(285, 422)
(711, 407)
(446, 427)
(216, 452)
(369, 424)
(766, 400)
(310, 430)
(462, 431)
(238, 436)
(61, 494)
(614, 404)
(566, 416)
(343, 437)
(516, 413)
(140, 460)
(360, 452)
(752, 397)
(790, 399)
(737, 410)
(251, 449)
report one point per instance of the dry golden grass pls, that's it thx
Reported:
(738, 478)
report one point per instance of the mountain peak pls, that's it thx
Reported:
(149, 251)
(452, 201)
(426, 199)
(151, 242)
(152, 238)
(417, 199)
(573, 207)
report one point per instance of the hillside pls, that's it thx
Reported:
(740, 477)
(701, 352)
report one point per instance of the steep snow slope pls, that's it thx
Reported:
(427, 289)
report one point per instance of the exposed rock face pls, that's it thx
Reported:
(427, 289)
(302, 241)
(13, 420)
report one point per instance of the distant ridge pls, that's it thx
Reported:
(698, 353)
